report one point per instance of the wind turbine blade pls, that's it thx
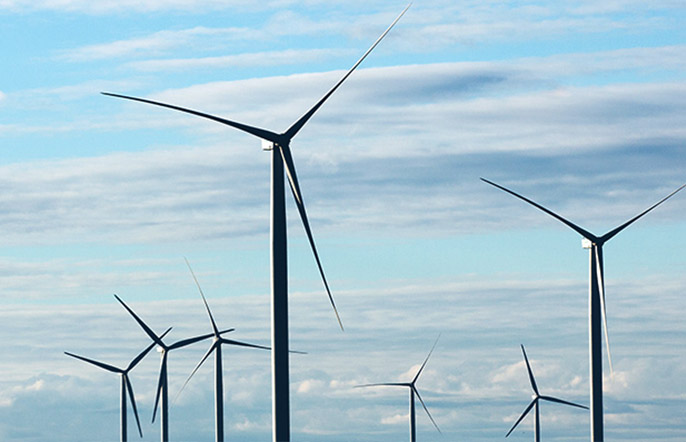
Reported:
(425, 361)
(189, 341)
(295, 128)
(202, 361)
(531, 373)
(143, 325)
(243, 344)
(601, 285)
(297, 352)
(386, 384)
(204, 300)
(583, 232)
(256, 131)
(102, 365)
(560, 401)
(142, 354)
(425, 409)
(295, 188)
(523, 415)
(615, 231)
(132, 397)
(163, 372)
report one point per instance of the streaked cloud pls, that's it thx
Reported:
(468, 386)
(110, 6)
(265, 59)
(156, 43)
(578, 106)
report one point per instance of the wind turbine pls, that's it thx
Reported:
(534, 403)
(596, 302)
(216, 347)
(162, 394)
(279, 145)
(126, 387)
(413, 391)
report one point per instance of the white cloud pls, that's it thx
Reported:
(272, 58)
(395, 419)
(156, 43)
(457, 387)
(487, 116)
(310, 386)
(118, 6)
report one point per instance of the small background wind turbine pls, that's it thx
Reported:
(126, 387)
(596, 302)
(537, 397)
(279, 145)
(162, 393)
(413, 391)
(216, 347)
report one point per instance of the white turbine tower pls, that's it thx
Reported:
(596, 303)
(216, 347)
(537, 397)
(162, 392)
(279, 145)
(413, 392)
(126, 387)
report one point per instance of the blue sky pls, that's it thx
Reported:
(579, 106)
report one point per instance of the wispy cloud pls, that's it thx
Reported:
(156, 43)
(115, 6)
(474, 113)
(272, 58)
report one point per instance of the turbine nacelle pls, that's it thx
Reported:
(267, 145)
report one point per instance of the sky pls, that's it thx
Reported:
(580, 106)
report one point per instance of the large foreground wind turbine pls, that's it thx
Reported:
(216, 347)
(279, 144)
(413, 391)
(162, 393)
(596, 302)
(537, 397)
(126, 387)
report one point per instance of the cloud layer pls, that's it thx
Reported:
(475, 384)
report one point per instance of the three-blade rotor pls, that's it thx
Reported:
(537, 396)
(218, 340)
(597, 243)
(165, 350)
(282, 142)
(411, 385)
(125, 375)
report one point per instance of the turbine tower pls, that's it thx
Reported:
(216, 347)
(126, 387)
(279, 145)
(596, 302)
(413, 391)
(162, 393)
(537, 397)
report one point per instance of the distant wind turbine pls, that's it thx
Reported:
(413, 391)
(216, 347)
(279, 145)
(534, 403)
(126, 387)
(596, 302)
(162, 393)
